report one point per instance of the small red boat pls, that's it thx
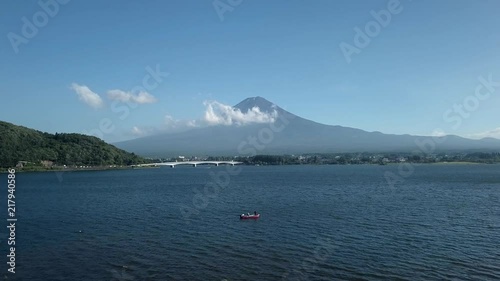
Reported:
(248, 216)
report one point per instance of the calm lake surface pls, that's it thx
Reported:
(318, 223)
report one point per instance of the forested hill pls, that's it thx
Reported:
(23, 144)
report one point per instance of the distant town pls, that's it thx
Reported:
(305, 159)
(347, 158)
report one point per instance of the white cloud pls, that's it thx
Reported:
(87, 96)
(495, 133)
(192, 123)
(140, 98)
(217, 113)
(143, 131)
(171, 124)
(438, 133)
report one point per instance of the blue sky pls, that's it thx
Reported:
(88, 60)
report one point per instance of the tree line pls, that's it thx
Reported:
(23, 144)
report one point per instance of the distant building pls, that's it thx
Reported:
(47, 163)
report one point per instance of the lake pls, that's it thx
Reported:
(440, 222)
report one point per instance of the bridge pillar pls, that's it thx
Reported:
(217, 164)
(194, 165)
(172, 166)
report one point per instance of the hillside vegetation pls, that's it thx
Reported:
(23, 144)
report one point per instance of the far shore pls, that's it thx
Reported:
(108, 168)
(458, 163)
(62, 169)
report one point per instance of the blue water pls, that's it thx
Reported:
(318, 223)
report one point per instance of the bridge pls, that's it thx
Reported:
(192, 163)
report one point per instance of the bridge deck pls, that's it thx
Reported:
(192, 163)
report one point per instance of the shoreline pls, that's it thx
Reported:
(107, 168)
(462, 163)
(21, 170)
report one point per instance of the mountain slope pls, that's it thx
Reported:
(298, 135)
(19, 143)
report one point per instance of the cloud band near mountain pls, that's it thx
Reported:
(217, 113)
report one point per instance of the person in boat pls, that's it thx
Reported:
(255, 213)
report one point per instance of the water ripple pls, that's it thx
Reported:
(318, 223)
